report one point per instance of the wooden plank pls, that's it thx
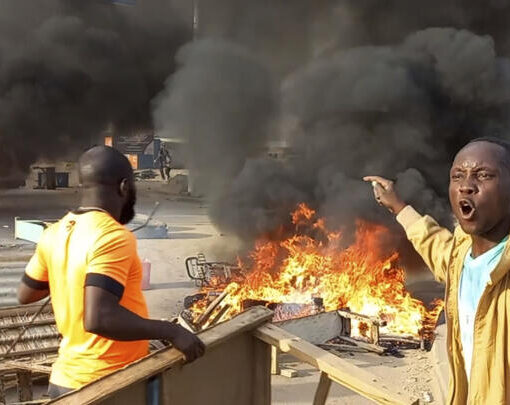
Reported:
(288, 372)
(342, 348)
(164, 359)
(374, 334)
(24, 386)
(185, 324)
(275, 366)
(315, 329)
(47, 360)
(219, 315)
(225, 375)
(346, 326)
(203, 318)
(261, 385)
(135, 394)
(360, 317)
(368, 346)
(2, 390)
(401, 339)
(339, 370)
(20, 366)
(321, 395)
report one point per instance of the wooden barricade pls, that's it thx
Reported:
(332, 368)
(236, 369)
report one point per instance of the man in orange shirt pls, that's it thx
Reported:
(88, 263)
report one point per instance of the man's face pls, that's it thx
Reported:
(480, 187)
(128, 209)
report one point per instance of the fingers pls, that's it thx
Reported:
(195, 350)
(377, 194)
(190, 355)
(200, 347)
(198, 351)
(378, 180)
(381, 187)
(378, 191)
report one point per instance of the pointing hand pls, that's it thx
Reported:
(385, 194)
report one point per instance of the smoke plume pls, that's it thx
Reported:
(373, 88)
(221, 101)
(70, 68)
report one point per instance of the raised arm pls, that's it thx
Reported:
(432, 242)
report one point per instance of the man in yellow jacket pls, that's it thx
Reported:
(474, 262)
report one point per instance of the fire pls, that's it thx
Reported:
(312, 264)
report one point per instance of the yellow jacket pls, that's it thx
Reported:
(444, 253)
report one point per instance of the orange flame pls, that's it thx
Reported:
(355, 277)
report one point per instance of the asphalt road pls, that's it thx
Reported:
(45, 204)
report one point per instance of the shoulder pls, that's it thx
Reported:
(112, 244)
(51, 232)
(102, 234)
(110, 231)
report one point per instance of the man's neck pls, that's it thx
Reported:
(484, 243)
(91, 201)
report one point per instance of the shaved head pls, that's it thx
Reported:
(502, 143)
(107, 181)
(103, 165)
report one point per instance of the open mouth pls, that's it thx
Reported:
(467, 209)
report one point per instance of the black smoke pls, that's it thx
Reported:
(368, 87)
(69, 68)
(222, 101)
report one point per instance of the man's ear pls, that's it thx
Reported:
(124, 187)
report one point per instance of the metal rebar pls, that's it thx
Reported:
(156, 205)
(22, 332)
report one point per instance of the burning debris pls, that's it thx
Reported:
(312, 272)
(206, 273)
(358, 98)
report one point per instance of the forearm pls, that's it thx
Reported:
(105, 317)
(432, 242)
(121, 324)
